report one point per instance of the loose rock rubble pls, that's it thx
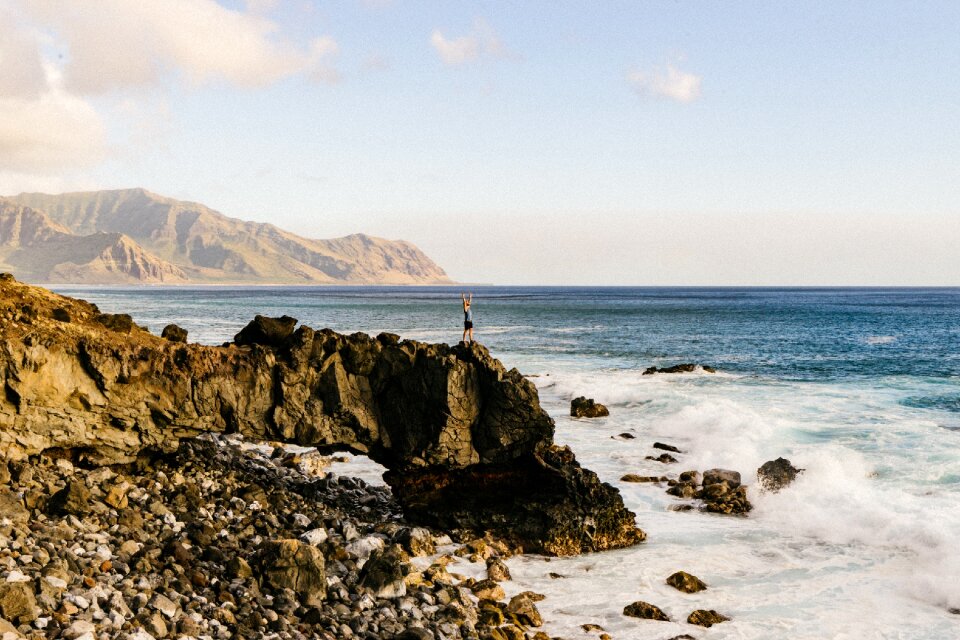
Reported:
(222, 540)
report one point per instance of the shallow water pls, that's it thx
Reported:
(861, 387)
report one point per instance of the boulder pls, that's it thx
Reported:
(173, 333)
(73, 499)
(269, 332)
(646, 611)
(716, 476)
(522, 609)
(678, 368)
(583, 407)
(383, 573)
(776, 474)
(417, 541)
(683, 581)
(17, 602)
(488, 590)
(666, 447)
(294, 565)
(706, 618)
(11, 506)
(497, 570)
(119, 322)
(665, 458)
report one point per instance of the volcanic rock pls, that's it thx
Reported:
(645, 610)
(583, 407)
(715, 476)
(666, 447)
(678, 368)
(291, 564)
(683, 581)
(776, 474)
(706, 618)
(665, 458)
(467, 445)
(173, 333)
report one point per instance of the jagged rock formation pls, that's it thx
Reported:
(466, 442)
(202, 245)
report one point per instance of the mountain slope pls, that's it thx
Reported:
(211, 247)
(38, 249)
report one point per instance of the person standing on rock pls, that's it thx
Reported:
(467, 317)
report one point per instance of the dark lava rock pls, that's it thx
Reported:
(120, 322)
(678, 368)
(383, 573)
(583, 407)
(776, 474)
(291, 564)
(683, 581)
(666, 447)
(270, 332)
(645, 610)
(716, 476)
(627, 436)
(632, 477)
(60, 315)
(706, 618)
(665, 458)
(73, 499)
(173, 333)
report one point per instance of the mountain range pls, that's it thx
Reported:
(135, 236)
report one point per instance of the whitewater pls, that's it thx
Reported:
(859, 387)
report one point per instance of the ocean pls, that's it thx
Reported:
(860, 387)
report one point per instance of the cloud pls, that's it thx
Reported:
(118, 44)
(671, 83)
(67, 67)
(482, 40)
(376, 62)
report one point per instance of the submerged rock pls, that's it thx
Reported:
(776, 474)
(467, 445)
(665, 458)
(683, 581)
(678, 368)
(583, 407)
(706, 618)
(646, 611)
(666, 447)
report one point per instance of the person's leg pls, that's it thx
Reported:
(464, 339)
(471, 334)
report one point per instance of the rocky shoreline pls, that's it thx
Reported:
(222, 539)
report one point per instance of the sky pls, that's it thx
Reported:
(578, 143)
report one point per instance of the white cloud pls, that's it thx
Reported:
(482, 40)
(53, 132)
(116, 44)
(671, 83)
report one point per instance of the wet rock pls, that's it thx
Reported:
(417, 541)
(583, 407)
(683, 490)
(17, 602)
(666, 447)
(678, 368)
(291, 564)
(497, 570)
(270, 332)
(488, 590)
(173, 333)
(383, 573)
(73, 499)
(645, 610)
(522, 609)
(706, 618)
(716, 476)
(627, 436)
(693, 477)
(665, 458)
(776, 474)
(683, 581)
(632, 477)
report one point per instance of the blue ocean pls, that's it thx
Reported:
(859, 387)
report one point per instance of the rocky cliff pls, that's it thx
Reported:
(207, 246)
(466, 442)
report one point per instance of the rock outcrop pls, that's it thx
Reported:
(467, 445)
(679, 368)
(584, 407)
(774, 475)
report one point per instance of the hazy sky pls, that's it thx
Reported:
(518, 142)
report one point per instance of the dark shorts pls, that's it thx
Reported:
(467, 325)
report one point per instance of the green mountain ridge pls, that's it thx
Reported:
(145, 237)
